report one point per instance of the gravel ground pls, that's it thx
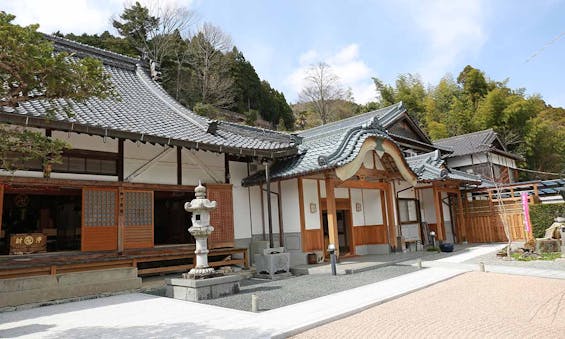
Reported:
(473, 305)
(278, 293)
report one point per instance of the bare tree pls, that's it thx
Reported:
(155, 28)
(322, 90)
(208, 47)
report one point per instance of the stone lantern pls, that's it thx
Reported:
(201, 282)
(200, 230)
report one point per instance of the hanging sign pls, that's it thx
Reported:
(526, 210)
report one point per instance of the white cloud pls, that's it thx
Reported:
(346, 64)
(453, 30)
(73, 16)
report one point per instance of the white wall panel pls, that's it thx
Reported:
(341, 193)
(372, 207)
(241, 207)
(427, 206)
(274, 209)
(256, 218)
(312, 220)
(358, 217)
(88, 142)
(290, 206)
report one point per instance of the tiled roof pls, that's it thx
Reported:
(430, 167)
(328, 146)
(476, 142)
(144, 111)
(470, 143)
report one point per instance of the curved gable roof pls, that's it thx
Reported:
(329, 146)
(144, 111)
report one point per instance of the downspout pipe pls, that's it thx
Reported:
(279, 204)
(269, 210)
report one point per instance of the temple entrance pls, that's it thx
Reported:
(171, 220)
(44, 220)
(343, 230)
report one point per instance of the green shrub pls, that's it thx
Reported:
(543, 256)
(206, 110)
(542, 217)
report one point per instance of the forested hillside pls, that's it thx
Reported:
(473, 102)
(202, 70)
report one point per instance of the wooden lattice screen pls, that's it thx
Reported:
(99, 219)
(221, 218)
(138, 219)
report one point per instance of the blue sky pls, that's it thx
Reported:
(362, 39)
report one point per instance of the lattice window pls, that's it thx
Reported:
(138, 208)
(99, 208)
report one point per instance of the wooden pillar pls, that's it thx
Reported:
(179, 165)
(332, 220)
(120, 159)
(279, 206)
(462, 221)
(2, 208)
(302, 215)
(391, 226)
(439, 214)
(121, 219)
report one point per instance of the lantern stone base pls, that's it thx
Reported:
(273, 261)
(202, 289)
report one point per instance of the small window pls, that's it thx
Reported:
(407, 210)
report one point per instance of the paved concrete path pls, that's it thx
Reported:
(472, 305)
(139, 315)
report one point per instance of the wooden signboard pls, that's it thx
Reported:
(24, 243)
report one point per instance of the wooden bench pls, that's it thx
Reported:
(180, 268)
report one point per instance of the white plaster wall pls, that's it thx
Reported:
(368, 161)
(372, 207)
(274, 210)
(407, 193)
(357, 197)
(378, 163)
(138, 154)
(312, 220)
(256, 218)
(427, 206)
(290, 206)
(341, 193)
(88, 142)
(209, 163)
(241, 207)
(502, 160)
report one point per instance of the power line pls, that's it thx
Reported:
(541, 172)
(551, 42)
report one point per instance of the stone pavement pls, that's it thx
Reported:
(139, 315)
(472, 305)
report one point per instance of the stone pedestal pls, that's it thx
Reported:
(202, 289)
(273, 261)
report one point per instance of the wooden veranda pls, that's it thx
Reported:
(166, 259)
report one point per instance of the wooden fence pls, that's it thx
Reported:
(484, 221)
